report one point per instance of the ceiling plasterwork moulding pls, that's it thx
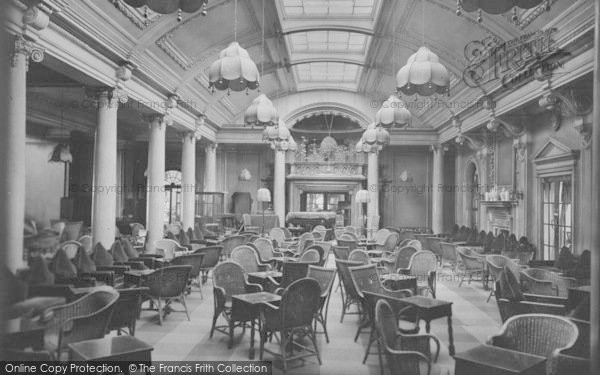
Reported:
(135, 16)
(532, 14)
(174, 53)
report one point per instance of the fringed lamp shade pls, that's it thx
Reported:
(169, 6)
(362, 196)
(263, 195)
(373, 139)
(234, 70)
(393, 112)
(261, 112)
(498, 6)
(423, 74)
(61, 154)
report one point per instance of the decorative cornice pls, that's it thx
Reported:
(133, 15)
(533, 14)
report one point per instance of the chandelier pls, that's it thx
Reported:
(393, 112)
(373, 139)
(234, 70)
(423, 74)
(261, 112)
(497, 7)
(168, 6)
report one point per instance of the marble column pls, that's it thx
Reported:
(279, 185)
(595, 224)
(188, 180)
(12, 148)
(104, 196)
(210, 168)
(373, 188)
(437, 207)
(155, 202)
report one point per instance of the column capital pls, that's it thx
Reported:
(107, 96)
(28, 49)
(212, 147)
(157, 120)
(191, 136)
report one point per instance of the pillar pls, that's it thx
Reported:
(437, 207)
(279, 185)
(12, 148)
(188, 180)
(155, 205)
(595, 224)
(373, 188)
(210, 168)
(104, 196)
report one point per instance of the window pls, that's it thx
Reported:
(172, 210)
(557, 215)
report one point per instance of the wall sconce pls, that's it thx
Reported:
(509, 129)
(406, 176)
(245, 175)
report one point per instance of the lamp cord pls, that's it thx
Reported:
(235, 20)
(423, 21)
(262, 54)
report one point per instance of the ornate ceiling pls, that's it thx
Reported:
(342, 52)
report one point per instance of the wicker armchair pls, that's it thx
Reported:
(349, 294)
(169, 248)
(247, 257)
(470, 264)
(295, 314)
(231, 243)
(304, 242)
(348, 236)
(168, 285)
(195, 261)
(495, 267)
(400, 259)
(416, 244)
(576, 359)
(320, 250)
(266, 251)
(360, 256)
(325, 277)
(341, 252)
(544, 282)
(84, 319)
(538, 334)
(127, 310)
(310, 255)
(277, 235)
(423, 265)
(405, 352)
(449, 255)
(291, 271)
(366, 279)
(435, 247)
(388, 245)
(350, 244)
(228, 280)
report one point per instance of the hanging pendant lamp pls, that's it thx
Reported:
(261, 112)
(393, 112)
(423, 74)
(169, 6)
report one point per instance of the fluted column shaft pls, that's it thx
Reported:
(437, 208)
(156, 182)
(210, 168)
(373, 188)
(279, 185)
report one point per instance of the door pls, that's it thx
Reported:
(557, 215)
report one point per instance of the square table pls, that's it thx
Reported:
(263, 277)
(246, 307)
(493, 360)
(112, 349)
(429, 309)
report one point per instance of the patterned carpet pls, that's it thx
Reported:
(473, 321)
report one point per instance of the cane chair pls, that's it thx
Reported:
(231, 243)
(317, 235)
(304, 241)
(416, 244)
(325, 277)
(495, 265)
(295, 314)
(195, 261)
(435, 247)
(350, 244)
(544, 282)
(326, 247)
(423, 265)
(360, 256)
(247, 257)
(471, 264)
(404, 242)
(70, 248)
(341, 252)
(449, 255)
(348, 236)
(169, 249)
(212, 254)
(407, 354)
(229, 279)
(167, 285)
(389, 244)
(266, 252)
(310, 255)
(291, 271)
(351, 229)
(127, 310)
(86, 243)
(349, 295)
(366, 279)
(510, 305)
(576, 359)
(400, 259)
(537, 334)
(84, 319)
(277, 235)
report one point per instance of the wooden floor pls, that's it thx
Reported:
(474, 321)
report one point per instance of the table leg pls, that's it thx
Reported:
(450, 335)
(252, 339)
(427, 326)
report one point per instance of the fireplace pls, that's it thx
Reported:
(499, 215)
